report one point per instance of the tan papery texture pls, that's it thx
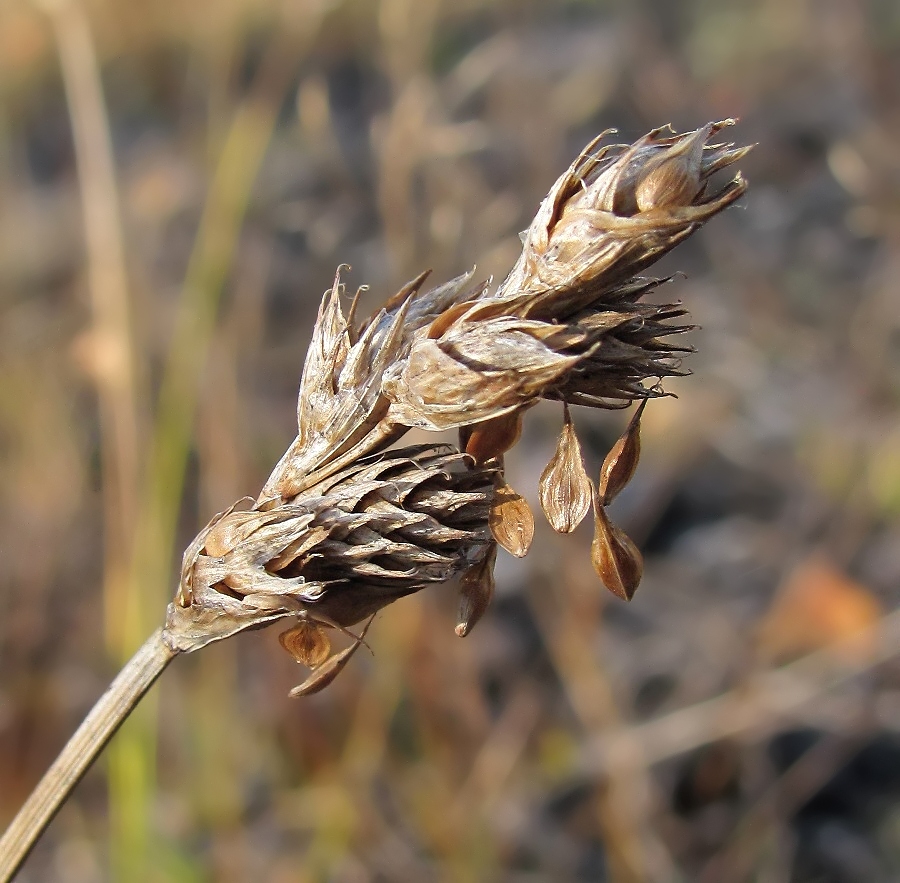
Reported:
(511, 520)
(565, 488)
(344, 526)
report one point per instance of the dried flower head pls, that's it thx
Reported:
(375, 532)
(344, 526)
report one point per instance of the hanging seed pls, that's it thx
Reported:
(494, 437)
(565, 488)
(622, 460)
(307, 643)
(510, 520)
(322, 676)
(615, 557)
(476, 588)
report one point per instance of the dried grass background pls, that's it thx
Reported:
(256, 145)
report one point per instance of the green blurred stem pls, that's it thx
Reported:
(111, 709)
(133, 757)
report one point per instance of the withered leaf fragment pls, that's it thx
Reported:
(615, 557)
(307, 643)
(622, 460)
(331, 668)
(565, 488)
(476, 590)
(511, 520)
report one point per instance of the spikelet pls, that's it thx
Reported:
(381, 529)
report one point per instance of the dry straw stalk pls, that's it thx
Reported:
(346, 524)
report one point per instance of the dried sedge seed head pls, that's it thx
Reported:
(343, 527)
(342, 409)
(565, 488)
(615, 211)
(511, 520)
(615, 557)
(622, 460)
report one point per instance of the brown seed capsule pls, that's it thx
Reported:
(307, 643)
(476, 591)
(565, 488)
(511, 521)
(495, 437)
(622, 460)
(322, 676)
(615, 557)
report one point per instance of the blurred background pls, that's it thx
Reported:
(179, 181)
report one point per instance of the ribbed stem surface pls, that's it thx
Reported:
(96, 730)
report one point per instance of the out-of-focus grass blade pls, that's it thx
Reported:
(133, 754)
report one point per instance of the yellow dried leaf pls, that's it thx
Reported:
(511, 521)
(565, 488)
(818, 606)
(615, 557)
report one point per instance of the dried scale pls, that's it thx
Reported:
(346, 524)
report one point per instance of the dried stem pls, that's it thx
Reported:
(120, 699)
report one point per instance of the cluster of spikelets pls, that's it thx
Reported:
(345, 526)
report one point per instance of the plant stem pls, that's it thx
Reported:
(111, 709)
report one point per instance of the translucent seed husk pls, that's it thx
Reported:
(622, 460)
(615, 557)
(475, 592)
(565, 489)
(307, 643)
(511, 520)
(322, 676)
